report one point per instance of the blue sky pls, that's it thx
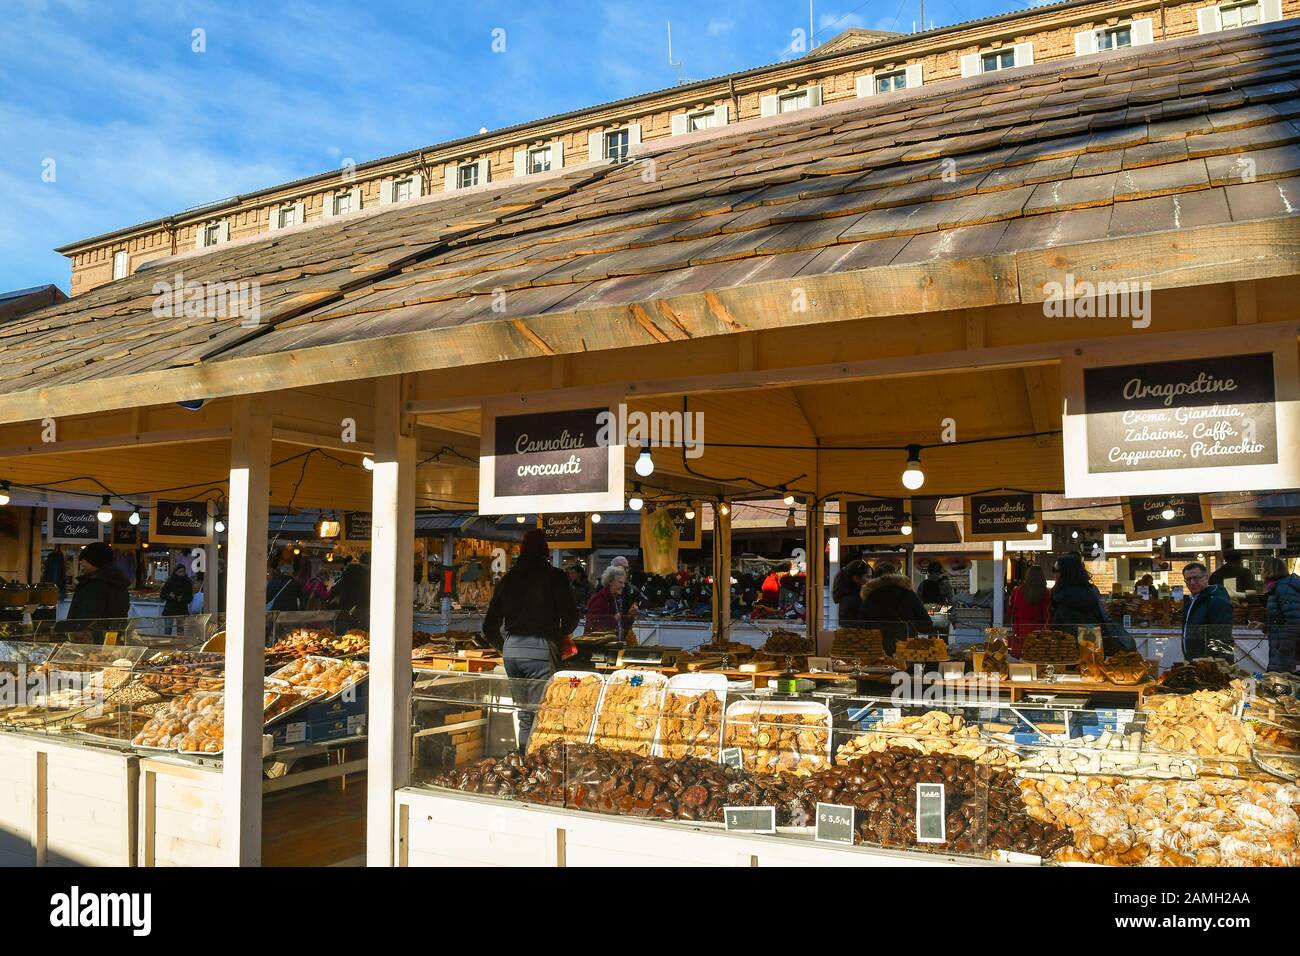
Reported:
(108, 116)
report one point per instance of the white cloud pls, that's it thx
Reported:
(719, 27)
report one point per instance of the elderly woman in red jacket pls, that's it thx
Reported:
(608, 609)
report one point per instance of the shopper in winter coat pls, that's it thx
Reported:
(890, 604)
(530, 616)
(609, 608)
(1031, 608)
(936, 588)
(56, 571)
(103, 592)
(177, 593)
(1207, 617)
(1076, 604)
(1234, 569)
(1283, 616)
(846, 592)
(351, 595)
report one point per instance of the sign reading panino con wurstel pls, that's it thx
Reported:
(1224, 420)
(549, 459)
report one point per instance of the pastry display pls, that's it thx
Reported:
(324, 674)
(629, 712)
(567, 709)
(919, 650)
(1109, 754)
(195, 663)
(781, 642)
(180, 680)
(851, 643)
(1050, 647)
(775, 741)
(1269, 737)
(732, 649)
(1129, 667)
(1185, 677)
(690, 724)
(133, 696)
(1205, 822)
(301, 643)
(1203, 722)
(192, 723)
(935, 732)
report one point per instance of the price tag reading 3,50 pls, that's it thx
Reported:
(930, 813)
(834, 823)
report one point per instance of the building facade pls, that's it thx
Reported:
(856, 63)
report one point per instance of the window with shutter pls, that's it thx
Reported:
(539, 160)
(402, 190)
(212, 234)
(467, 176)
(1236, 15)
(287, 216)
(342, 203)
(616, 145)
(792, 102)
(888, 82)
(704, 119)
(1114, 38)
(120, 264)
(996, 60)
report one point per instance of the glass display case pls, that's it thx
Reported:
(1053, 780)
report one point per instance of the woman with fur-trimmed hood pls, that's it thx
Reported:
(890, 604)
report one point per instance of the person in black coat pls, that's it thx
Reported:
(351, 595)
(1076, 604)
(56, 571)
(103, 593)
(177, 593)
(890, 604)
(282, 590)
(846, 592)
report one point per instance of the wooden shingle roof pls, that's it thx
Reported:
(1168, 137)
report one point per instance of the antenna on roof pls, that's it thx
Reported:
(811, 29)
(922, 16)
(677, 66)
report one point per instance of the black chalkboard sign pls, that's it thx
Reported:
(872, 520)
(750, 819)
(1144, 514)
(550, 453)
(570, 529)
(931, 815)
(1211, 412)
(125, 534)
(733, 757)
(834, 823)
(180, 522)
(997, 517)
(1257, 535)
(72, 526)
(356, 526)
(688, 529)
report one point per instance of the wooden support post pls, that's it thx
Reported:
(815, 581)
(999, 581)
(211, 576)
(241, 775)
(392, 553)
(721, 575)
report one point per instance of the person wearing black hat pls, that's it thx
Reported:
(530, 614)
(102, 593)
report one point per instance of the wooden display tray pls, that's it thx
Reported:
(1018, 689)
(449, 662)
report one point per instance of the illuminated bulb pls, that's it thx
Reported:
(690, 514)
(907, 525)
(1074, 534)
(368, 463)
(789, 498)
(724, 509)
(1031, 527)
(4, 492)
(636, 502)
(913, 476)
(1168, 514)
(520, 519)
(220, 526)
(135, 517)
(105, 513)
(645, 465)
(595, 519)
(297, 550)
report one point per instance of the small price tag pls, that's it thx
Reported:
(295, 733)
(931, 814)
(1128, 620)
(1123, 718)
(1144, 592)
(356, 725)
(732, 757)
(891, 714)
(750, 819)
(834, 823)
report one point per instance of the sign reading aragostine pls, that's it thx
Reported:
(180, 522)
(1206, 414)
(1145, 514)
(999, 516)
(873, 520)
(547, 459)
(356, 526)
(72, 526)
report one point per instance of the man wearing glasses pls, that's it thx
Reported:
(1207, 616)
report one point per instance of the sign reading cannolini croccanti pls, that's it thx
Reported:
(180, 522)
(1145, 514)
(690, 532)
(72, 526)
(1259, 534)
(873, 520)
(569, 529)
(356, 526)
(999, 516)
(540, 458)
(1196, 416)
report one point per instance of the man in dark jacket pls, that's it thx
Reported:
(890, 604)
(1283, 617)
(1207, 617)
(1234, 569)
(351, 595)
(56, 571)
(528, 618)
(282, 591)
(103, 593)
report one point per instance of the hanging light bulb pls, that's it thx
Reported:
(135, 516)
(520, 519)
(690, 514)
(368, 463)
(636, 502)
(789, 521)
(297, 550)
(4, 492)
(907, 524)
(105, 513)
(645, 465)
(1168, 514)
(1031, 526)
(913, 476)
(595, 519)
(220, 526)
(1075, 534)
(789, 498)
(724, 509)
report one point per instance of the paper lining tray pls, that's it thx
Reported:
(591, 725)
(652, 680)
(693, 684)
(278, 675)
